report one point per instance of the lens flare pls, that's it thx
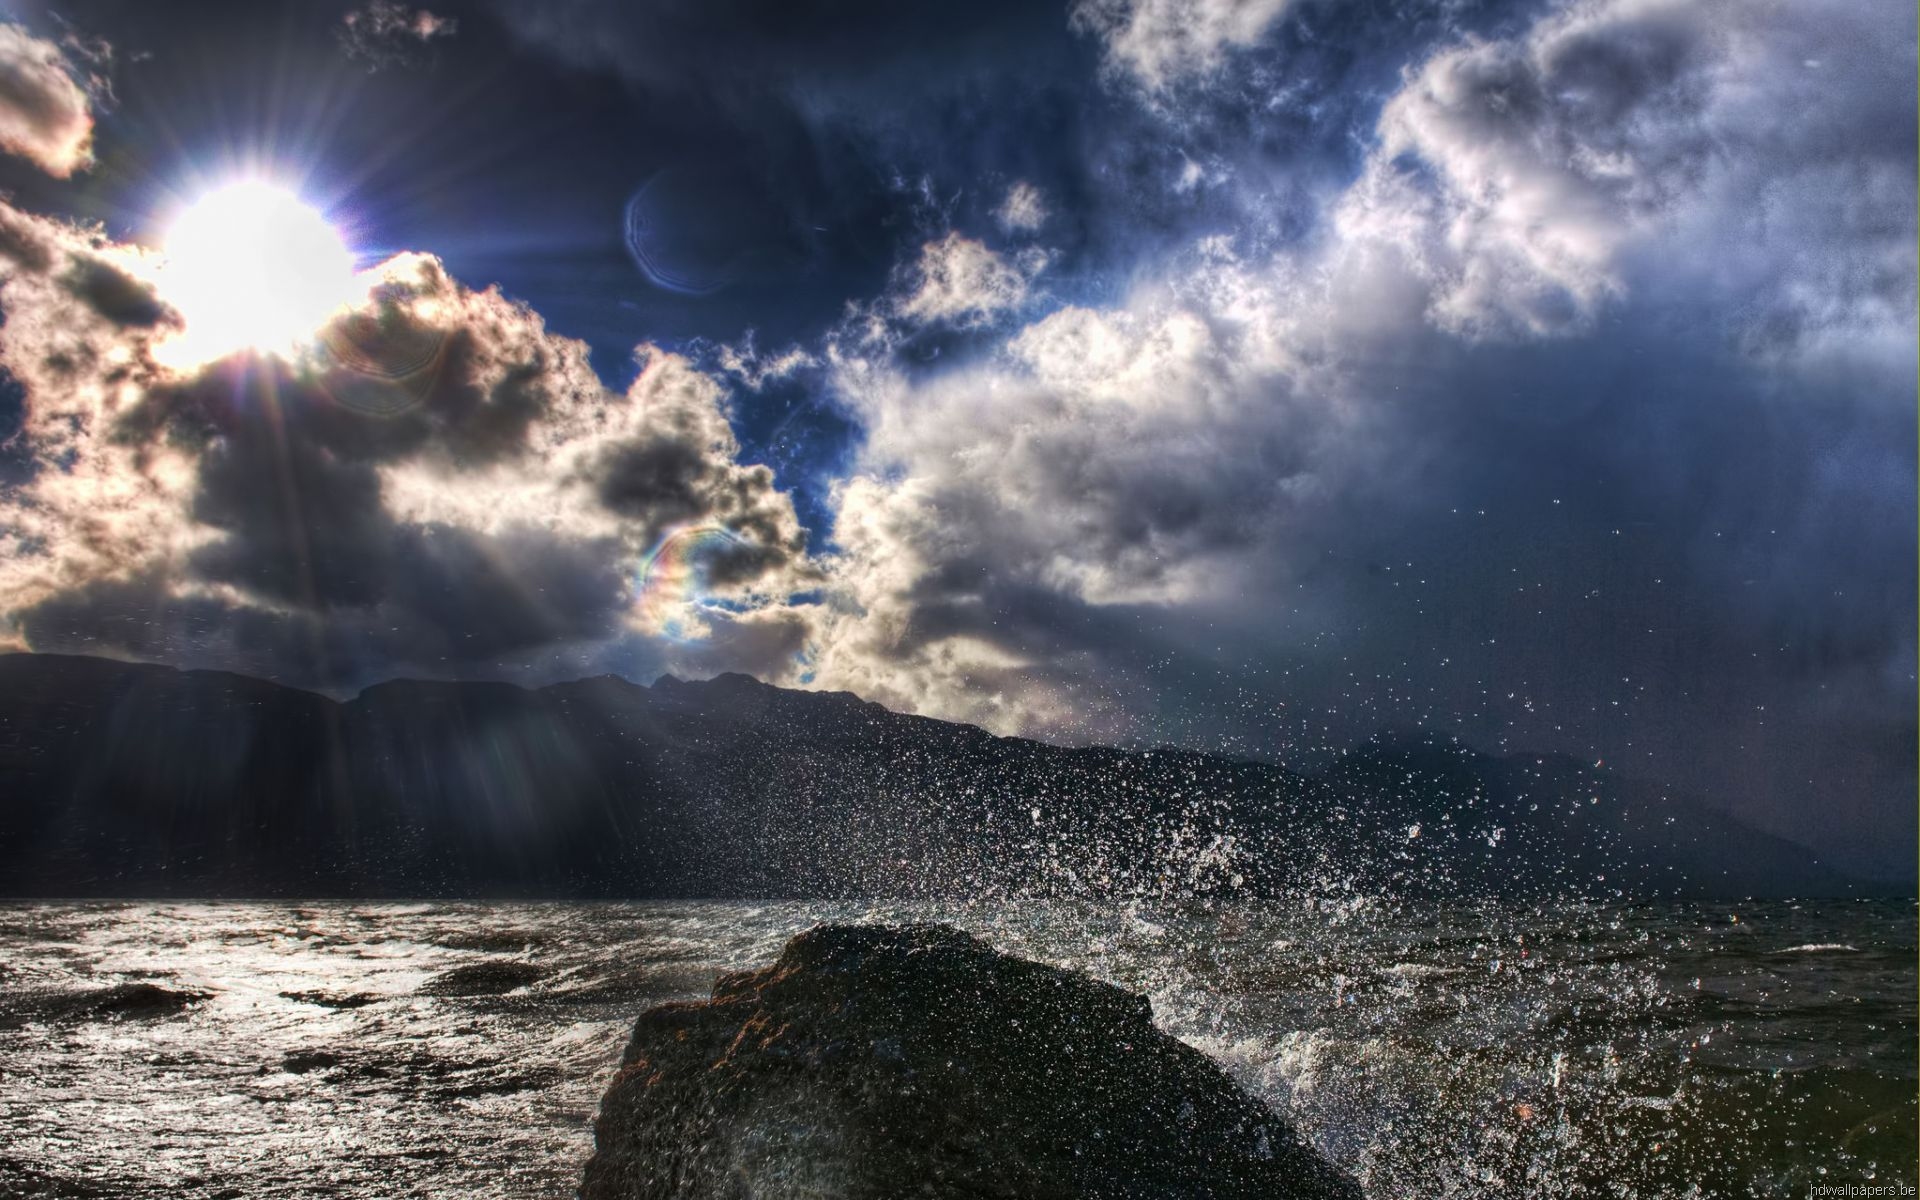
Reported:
(385, 362)
(674, 578)
(251, 266)
(699, 228)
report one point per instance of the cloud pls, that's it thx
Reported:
(961, 281)
(1161, 43)
(1024, 210)
(1128, 457)
(45, 113)
(442, 487)
(387, 33)
(757, 369)
(1520, 437)
(1518, 175)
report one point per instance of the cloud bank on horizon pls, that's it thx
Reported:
(1560, 391)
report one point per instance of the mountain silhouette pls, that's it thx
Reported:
(121, 779)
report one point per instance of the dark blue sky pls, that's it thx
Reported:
(1536, 372)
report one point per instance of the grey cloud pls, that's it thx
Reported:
(1521, 176)
(441, 486)
(660, 481)
(451, 603)
(1163, 43)
(116, 295)
(1583, 419)
(45, 113)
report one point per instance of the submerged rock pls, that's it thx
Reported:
(483, 979)
(300, 1062)
(136, 1000)
(122, 1001)
(883, 1063)
(334, 1000)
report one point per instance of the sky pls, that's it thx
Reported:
(1254, 375)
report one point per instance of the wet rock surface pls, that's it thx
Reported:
(483, 979)
(890, 1062)
(123, 1001)
(333, 1000)
(20, 1180)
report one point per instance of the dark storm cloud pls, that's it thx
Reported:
(660, 480)
(452, 602)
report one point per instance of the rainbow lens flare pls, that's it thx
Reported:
(673, 578)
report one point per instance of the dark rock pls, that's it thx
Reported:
(483, 979)
(137, 1000)
(19, 1181)
(302, 1061)
(883, 1063)
(489, 941)
(335, 1000)
(123, 1001)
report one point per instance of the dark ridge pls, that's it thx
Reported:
(123, 779)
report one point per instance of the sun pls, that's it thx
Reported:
(251, 266)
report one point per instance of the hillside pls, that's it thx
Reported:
(126, 779)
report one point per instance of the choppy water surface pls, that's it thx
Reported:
(436, 1050)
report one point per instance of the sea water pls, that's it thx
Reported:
(385, 1050)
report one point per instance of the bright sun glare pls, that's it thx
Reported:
(251, 266)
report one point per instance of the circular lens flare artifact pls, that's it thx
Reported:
(673, 580)
(386, 360)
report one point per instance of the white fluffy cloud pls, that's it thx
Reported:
(45, 114)
(1133, 456)
(960, 281)
(1160, 43)
(1520, 176)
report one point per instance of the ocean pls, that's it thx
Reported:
(269, 1050)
